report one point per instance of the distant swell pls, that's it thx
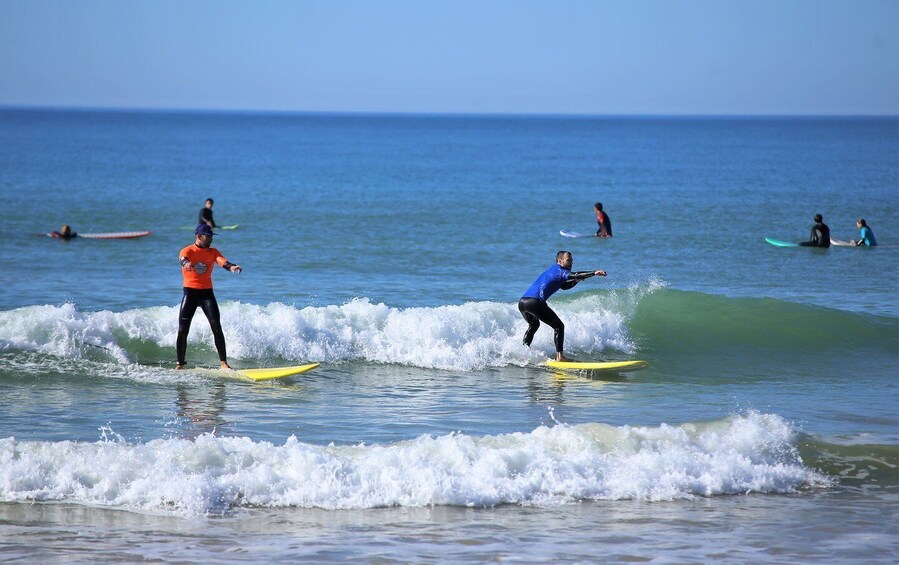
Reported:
(548, 466)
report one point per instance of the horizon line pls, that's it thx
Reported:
(236, 111)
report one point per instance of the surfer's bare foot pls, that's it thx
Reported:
(179, 366)
(225, 366)
(562, 358)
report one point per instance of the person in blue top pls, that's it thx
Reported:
(865, 233)
(533, 304)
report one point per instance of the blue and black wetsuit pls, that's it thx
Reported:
(534, 308)
(866, 237)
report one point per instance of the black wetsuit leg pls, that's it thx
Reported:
(205, 299)
(535, 311)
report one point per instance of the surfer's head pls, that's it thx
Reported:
(209, 202)
(598, 206)
(65, 229)
(819, 218)
(204, 235)
(861, 223)
(564, 260)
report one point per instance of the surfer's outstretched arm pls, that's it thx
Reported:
(582, 275)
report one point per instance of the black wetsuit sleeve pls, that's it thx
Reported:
(576, 277)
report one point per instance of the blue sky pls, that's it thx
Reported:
(503, 56)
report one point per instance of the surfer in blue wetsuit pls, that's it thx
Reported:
(865, 233)
(820, 236)
(533, 304)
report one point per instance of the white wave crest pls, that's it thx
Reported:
(548, 466)
(469, 336)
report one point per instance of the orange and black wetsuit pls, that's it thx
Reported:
(198, 293)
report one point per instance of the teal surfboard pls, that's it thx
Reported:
(780, 243)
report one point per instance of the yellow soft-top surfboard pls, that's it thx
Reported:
(265, 374)
(276, 372)
(614, 366)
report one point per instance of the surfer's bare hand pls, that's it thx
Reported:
(236, 269)
(600, 273)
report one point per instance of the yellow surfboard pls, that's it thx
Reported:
(612, 366)
(262, 374)
(276, 372)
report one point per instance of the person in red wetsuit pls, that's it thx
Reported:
(603, 221)
(197, 262)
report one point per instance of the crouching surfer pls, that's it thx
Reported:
(534, 308)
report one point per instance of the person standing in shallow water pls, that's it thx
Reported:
(197, 262)
(534, 308)
(603, 221)
(206, 214)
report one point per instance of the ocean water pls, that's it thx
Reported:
(393, 249)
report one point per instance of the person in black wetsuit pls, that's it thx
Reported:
(534, 308)
(206, 214)
(820, 235)
(65, 232)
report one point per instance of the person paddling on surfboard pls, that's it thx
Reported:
(603, 221)
(820, 235)
(534, 308)
(206, 214)
(65, 232)
(197, 262)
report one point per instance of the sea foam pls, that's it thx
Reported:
(547, 466)
(469, 336)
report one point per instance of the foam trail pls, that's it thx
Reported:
(548, 466)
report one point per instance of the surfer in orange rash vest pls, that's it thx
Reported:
(197, 262)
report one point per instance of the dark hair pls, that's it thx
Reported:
(561, 254)
(598, 206)
(862, 222)
(819, 218)
(210, 200)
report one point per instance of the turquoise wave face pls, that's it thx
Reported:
(857, 466)
(692, 323)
